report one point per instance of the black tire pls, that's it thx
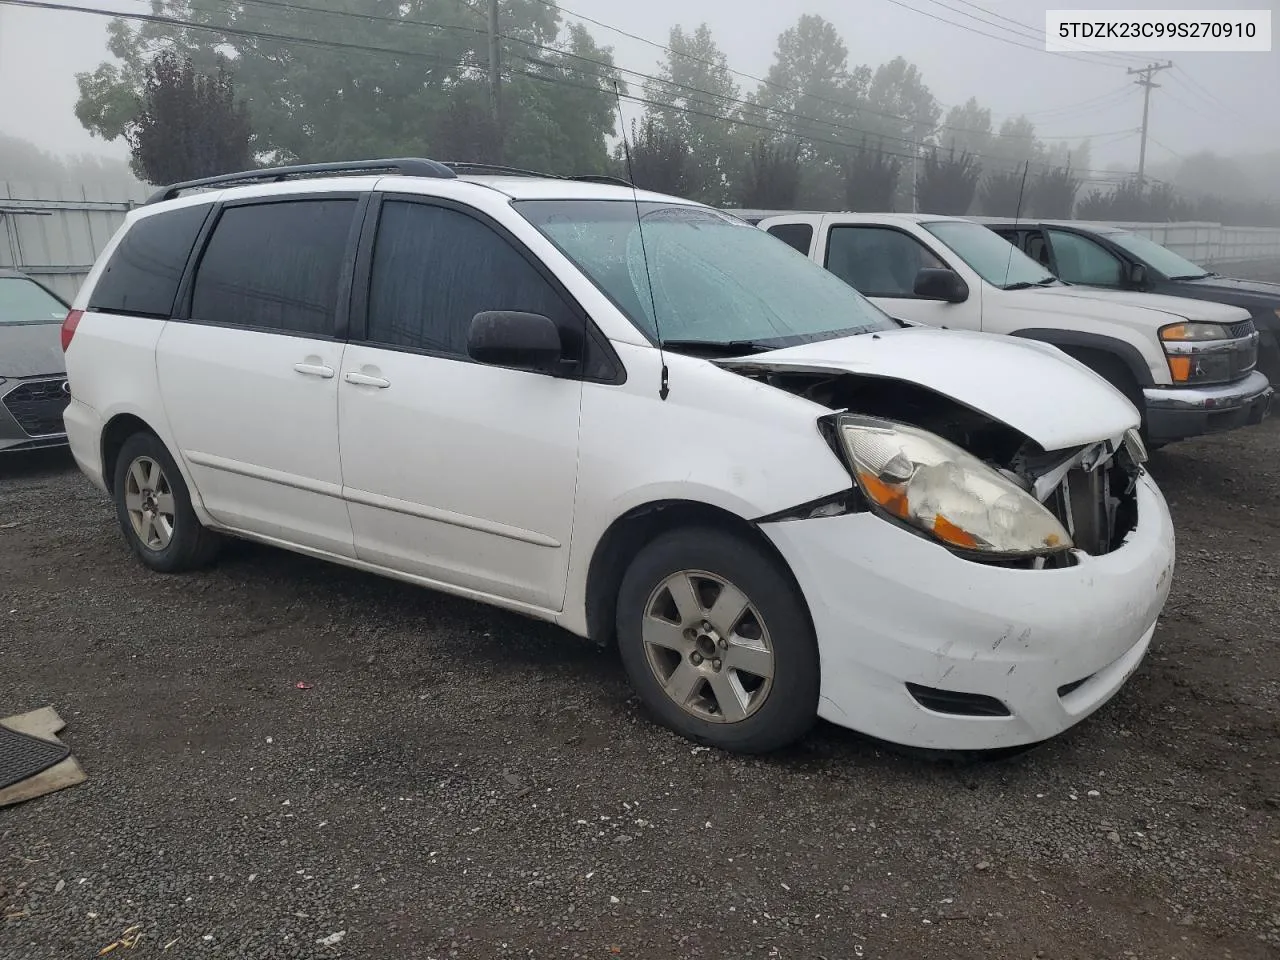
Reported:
(189, 545)
(790, 705)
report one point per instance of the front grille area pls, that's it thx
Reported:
(1242, 329)
(38, 405)
(1098, 508)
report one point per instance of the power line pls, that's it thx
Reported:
(371, 48)
(1020, 30)
(1035, 32)
(702, 95)
(764, 82)
(992, 36)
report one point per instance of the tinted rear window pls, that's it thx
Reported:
(275, 266)
(797, 235)
(143, 273)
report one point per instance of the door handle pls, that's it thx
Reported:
(314, 370)
(364, 380)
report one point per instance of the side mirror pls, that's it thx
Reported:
(1137, 275)
(523, 341)
(935, 284)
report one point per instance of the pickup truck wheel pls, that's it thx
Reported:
(717, 641)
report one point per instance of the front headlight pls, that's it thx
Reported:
(934, 486)
(1192, 332)
(1195, 355)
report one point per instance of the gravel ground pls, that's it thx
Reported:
(459, 782)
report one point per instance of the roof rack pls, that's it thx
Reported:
(404, 166)
(603, 178)
(464, 167)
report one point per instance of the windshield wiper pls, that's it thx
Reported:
(1025, 284)
(1194, 276)
(730, 348)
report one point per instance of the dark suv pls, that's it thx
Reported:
(1098, 255)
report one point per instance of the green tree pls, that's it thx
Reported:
(967, 128)
(659, 159)
(1013, 145)
(309, 101)
(947, 183)
(1003, 194)
(1053, 196)
(899, 105)
(871, 179)
(189, 125)
(773, 177)
(811, 94)
(697, 103)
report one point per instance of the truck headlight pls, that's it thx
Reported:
(932, 485)
(1204, 353)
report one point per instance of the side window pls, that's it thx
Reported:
(1080, 260)
(275, 266)
(796, 235)
(435, 268)
(142, 275)
(1038, 249)
(878, 261)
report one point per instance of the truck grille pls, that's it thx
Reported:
(37, 406)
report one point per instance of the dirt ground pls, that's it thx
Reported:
(459, 782)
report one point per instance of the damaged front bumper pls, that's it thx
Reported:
(924, 648)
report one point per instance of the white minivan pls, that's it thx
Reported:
(636, 417)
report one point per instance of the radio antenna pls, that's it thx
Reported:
(644, 252)
(1017, 215)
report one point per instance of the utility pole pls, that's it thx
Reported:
(1145, 74)
(495, 76)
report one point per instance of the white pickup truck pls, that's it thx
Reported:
(1187, 365)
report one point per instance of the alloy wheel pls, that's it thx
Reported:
(708, 647)
(148, 499)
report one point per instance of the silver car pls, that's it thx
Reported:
(33, 382)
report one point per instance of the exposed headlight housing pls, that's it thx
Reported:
(1200, 353)
(1136, 449)
(932, 485)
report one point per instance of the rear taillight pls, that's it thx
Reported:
(69, 327)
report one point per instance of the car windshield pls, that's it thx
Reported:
(710, 280)
(25, 301)
(990, 255)
(1153, 255)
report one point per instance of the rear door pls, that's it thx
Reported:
(250, 377)
(881, 263)
(456, 471)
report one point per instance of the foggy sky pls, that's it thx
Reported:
(40, 51)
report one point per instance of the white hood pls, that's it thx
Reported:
(1156, 308)
(1031, 386)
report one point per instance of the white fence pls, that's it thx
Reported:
(54, 232)
(1212, 244)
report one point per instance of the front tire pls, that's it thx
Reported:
(717, 641)
(153, 506)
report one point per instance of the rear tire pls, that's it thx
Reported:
(154, 509)
(717, 641)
